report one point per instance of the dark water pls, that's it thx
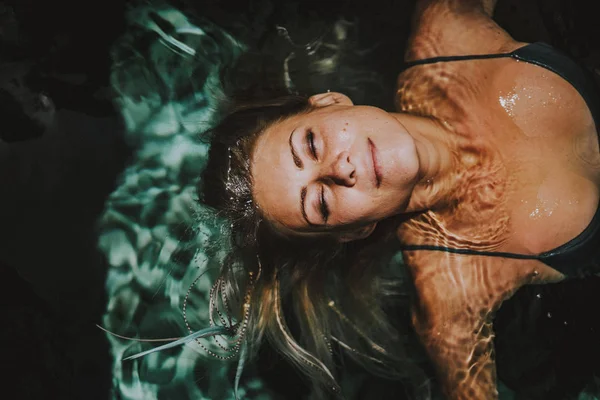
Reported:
(60, 160)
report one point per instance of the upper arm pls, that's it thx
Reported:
(452, 315)
(461, 6)
(456, 27)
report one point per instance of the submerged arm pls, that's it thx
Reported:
(456, 27)
(486, 6)
(456, 297)
(461, 350)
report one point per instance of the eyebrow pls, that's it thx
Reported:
(303, 205)
(297, 159)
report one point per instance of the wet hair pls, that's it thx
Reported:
(334, 291)
(227, 179)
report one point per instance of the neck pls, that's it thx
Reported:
(438, 151)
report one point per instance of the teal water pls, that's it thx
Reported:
(153, 231)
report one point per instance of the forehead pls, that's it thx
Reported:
(276, 180)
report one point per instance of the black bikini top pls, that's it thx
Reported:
(581, 255)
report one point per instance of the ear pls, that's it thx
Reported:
(357, 234)
(329, 98)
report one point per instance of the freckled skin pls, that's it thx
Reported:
(342, 172)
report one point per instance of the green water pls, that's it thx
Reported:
(153, 231)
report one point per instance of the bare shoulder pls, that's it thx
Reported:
(456, 27)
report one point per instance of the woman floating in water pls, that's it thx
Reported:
(486, 178)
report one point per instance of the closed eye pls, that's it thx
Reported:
(310, 140)
(323, 205)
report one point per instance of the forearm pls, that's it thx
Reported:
(464, 363)
(452, 314)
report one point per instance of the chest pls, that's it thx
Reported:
(501, 98)
(536, 172)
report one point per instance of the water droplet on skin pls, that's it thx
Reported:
(535, 214)
(508, 103)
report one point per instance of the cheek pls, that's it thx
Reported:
(338, 134)
(354, 205)
(367, 207)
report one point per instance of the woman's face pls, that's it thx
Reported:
(339, 168)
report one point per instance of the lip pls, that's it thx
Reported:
(375, 163)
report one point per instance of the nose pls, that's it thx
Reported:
(342, 171)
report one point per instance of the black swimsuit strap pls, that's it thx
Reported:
(582, 250)
(411, 247)
(434, 60)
